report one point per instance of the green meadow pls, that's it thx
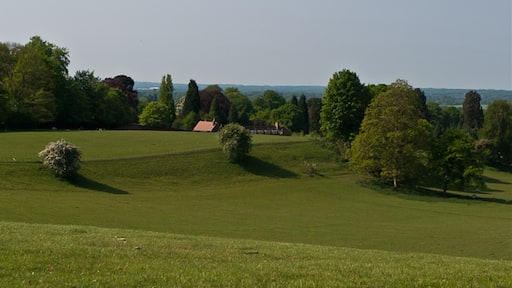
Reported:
(166, 209)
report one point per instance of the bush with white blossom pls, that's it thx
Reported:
(236, 141)
(61, 158)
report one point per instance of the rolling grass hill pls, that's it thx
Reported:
(76, 256)
(104, 145)
(174, 183)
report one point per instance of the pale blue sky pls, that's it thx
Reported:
(430, 43)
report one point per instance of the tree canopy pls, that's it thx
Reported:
(498, 129)
(166, 97)
(287, 115)
(395, 138)
(455, 161)
(268, 101)
(241, 103)
(343, 106)
(155, 114)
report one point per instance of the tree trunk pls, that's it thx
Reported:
(395, 182)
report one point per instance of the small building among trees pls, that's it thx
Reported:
(262, 128)
(207, 126)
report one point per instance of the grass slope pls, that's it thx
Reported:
(77, 256)
(267, 198)
(95, 145)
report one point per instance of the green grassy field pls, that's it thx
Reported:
(77, 256)
(181, 183)
(101, 144)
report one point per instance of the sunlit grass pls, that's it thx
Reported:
(240, 219)
(106, 144)
(79, 256)
(269, 197)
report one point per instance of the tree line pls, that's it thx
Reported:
(228, 106)
(391, 133)
(36, 91)
(388, 131)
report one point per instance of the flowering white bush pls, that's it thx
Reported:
(236, 141)
(61, 157)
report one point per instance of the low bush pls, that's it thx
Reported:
(61, 158)
(236, 141)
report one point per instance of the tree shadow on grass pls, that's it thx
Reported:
(494, 180)
(501, 167)
(262, 168)
(86, 183)
(473, 197)
(430, 194)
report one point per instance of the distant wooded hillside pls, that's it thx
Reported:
(442, 96)
(251, 91)
(456, 96)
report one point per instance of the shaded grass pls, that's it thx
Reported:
(259, 167)
(85, 183)
(78, 256)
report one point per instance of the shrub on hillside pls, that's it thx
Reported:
(236, 141)
(61, 158)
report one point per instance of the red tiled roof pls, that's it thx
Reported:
(205, 126)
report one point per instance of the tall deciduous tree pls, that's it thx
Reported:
(6, 62)
(68, 112)
(166, 97)
(31, 86)
(192, 101)
(287, 115)
(72, 104)
(394, 140)
(118, 110)
(472, 118)
(95, 93)
(155, 114)
(268, 101)
(242, 104)
(125, 84)
(343, 106)
(376, 89)
(215, 112)
(233, 115)
(455, 160)
(442, 118)
(498, 129)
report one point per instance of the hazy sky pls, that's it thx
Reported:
(430, 43)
